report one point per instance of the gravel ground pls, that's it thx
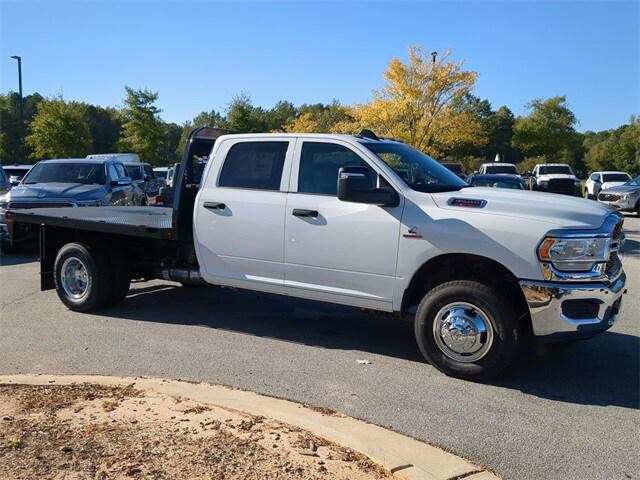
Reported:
(567, 412)
(95, 432)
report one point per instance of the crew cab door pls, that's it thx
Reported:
(343, 252)
(239, 213)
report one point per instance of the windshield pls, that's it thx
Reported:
(490, 182)
(86, 173)
(510, 169)
(419, 171)
(551, 169)
(615, 177)
(16, 172)
(3, 176)
(634, 182)
(134, 172)
(160, 173)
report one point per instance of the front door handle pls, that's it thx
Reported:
(301, 212)
(214, 206)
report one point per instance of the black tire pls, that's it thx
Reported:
(497, 309)
(120, 278)
(586, 194)
(98, 276)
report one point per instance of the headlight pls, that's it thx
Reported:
(625, 196)
(574, 254)
(543, 182)
(4, 203)
(576, 182)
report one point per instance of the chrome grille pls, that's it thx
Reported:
(613, 265)
(608, 197)
(39, 204)
(617, 230)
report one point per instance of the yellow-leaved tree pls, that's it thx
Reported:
(418, 105)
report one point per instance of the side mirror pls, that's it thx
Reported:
(356, 184)
(146, 177)
(121, 182)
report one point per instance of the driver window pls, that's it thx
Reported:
(319, 165)
(113, 174)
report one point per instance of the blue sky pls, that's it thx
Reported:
(197, 55)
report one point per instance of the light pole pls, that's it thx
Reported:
(433, 57)
(19, 59)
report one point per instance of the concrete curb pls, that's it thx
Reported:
(405, 457)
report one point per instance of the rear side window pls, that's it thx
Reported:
(255, 165)
(319, 165)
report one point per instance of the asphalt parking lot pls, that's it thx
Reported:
(566, 412)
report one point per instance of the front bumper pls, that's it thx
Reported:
(624, 204)
(565, 311)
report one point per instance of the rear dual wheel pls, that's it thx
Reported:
(86, 279)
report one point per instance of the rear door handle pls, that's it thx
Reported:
(214, 206)
(301, 212)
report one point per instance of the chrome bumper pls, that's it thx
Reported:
(620, 204)
(566, 311)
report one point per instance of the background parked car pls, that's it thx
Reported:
(161, 172)
(5, 184)
(456, 168)
(555, 178)
(599, 181)
(145, 182)
(496, 168)
(75, 182)
(16, 172)
(513, 182)
(624, 197)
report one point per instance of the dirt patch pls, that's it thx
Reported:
(86, 431)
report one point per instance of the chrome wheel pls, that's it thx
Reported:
(463, 332)
(75, 278)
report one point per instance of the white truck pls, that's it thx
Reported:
(354, 220)
(555, 178)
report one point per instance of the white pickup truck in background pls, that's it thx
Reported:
(355, 220)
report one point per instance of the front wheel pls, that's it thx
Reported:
(586, 194)
(467, 330)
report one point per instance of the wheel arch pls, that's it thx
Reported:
(465, 266)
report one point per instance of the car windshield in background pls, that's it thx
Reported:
(481, 182)
(86, 173)
(134, 172)
(551, 169)
(510, 169)
(160, 173)
(16, 172)
(615, 177)
(419, 171)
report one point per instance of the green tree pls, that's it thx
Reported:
(548, 130)
(243, 117)
(59, 129)
(105, 125)
(12, 148)
(143, 131)
(617, 149)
